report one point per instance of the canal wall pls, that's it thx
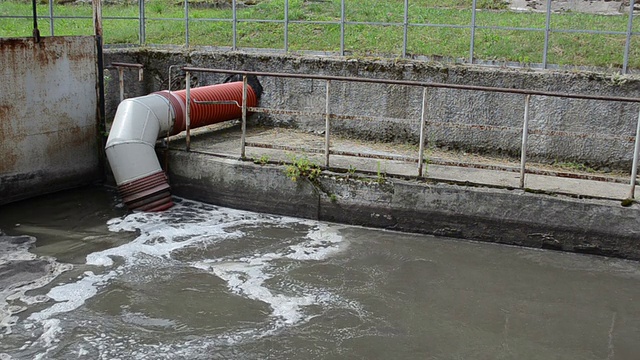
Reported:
(595, 133)
(506, 216)
(48, 115)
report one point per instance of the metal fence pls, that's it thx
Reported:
(343, 23)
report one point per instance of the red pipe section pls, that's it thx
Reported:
(203, 114)
(152, 192)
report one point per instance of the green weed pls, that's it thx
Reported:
(303, 168)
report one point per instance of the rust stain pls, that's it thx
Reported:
(8, 160)
(5, 110)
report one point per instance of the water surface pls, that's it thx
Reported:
(205, 282)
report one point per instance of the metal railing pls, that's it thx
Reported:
(143, 19)
(328, 116)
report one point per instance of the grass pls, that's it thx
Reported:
(360, 40)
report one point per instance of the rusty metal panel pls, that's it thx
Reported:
(48, 115)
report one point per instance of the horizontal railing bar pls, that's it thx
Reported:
(417, 83)
(119, 64)
(442, 162)
(328, 22)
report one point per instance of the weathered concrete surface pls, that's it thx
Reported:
(48, 122)
(604, 128)
(487, 214)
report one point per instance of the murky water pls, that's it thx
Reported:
(203, 282)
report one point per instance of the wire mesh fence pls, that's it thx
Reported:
(467, 31)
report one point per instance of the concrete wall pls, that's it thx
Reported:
(401, 105)
(487, 214)
(48, 115)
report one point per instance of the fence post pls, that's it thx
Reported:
(244, 117)
(186, 23)
(327, 127)
(422, 134)
(627, 45)
(121, 82)
(636, 151)
(286, 26)
(51, 17)
(234, 7)
(142, 36)
(525, 136)
(473, 31)
(342, 19)
(187, 76)
(406, 28)
(547, 31)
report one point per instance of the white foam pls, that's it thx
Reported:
(71, 296)
(19, 251)
(247, 276)
(188, 224)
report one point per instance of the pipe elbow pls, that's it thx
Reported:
(130, 149)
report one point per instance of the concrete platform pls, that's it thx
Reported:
(224, 140)
(554, 213)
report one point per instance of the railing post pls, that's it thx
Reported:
(51, 17)
(636, 151)
(547, 31)
(188, 120)
(406, 28)
(186, 23)
(342, 20)
(327, 127)
(234, 7)
(121, 82)
(422, 134)
(142, 37)
(473, 31)
(244, 117)
(627, 45)
(525, 136)
(286, 26)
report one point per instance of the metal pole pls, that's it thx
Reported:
(142, 20)
(186, 23)
(627, 45)
(547, 31)
(342, 19)
(473, 31)
(234, 47)
(286, 26)
(121, 82)
(422, 134)
(36, 32)
(406, 28)
(327, 127)
(636, 150)
(244, 117)
(51, 17)
(188, 121)
(525, 136)
(97, 18)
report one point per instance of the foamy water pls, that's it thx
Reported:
(191, 226)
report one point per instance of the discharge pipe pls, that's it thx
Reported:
(140, 121)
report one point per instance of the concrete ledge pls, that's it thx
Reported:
(497, 215)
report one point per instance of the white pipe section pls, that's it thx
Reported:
(131, 144)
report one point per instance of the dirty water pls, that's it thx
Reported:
(205, 282)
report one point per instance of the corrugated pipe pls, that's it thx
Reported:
(140, 121)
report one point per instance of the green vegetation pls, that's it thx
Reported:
(573, 166)
(381, 177)
(262, 160)
(360, 40)
(303, 168)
